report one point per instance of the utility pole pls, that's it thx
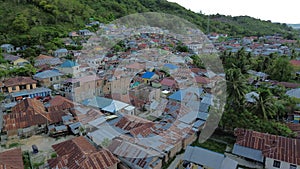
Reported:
(207, 24)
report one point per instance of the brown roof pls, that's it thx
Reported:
(80, 153)
(289, 84)
(60, 103)
(43, 57)
(202, 80)
(18, 81)
(30, 112)
(27, 113)
(136, 66)
(272, 146)
(11, 159)
(168, 82)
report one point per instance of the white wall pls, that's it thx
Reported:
(283, 165)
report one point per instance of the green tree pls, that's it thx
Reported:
(281, 69)
(264, 105)
(20, 23)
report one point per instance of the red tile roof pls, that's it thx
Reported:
(18, 81)
(272, 146)
(295, 62)
(11, 159)
(80, 153)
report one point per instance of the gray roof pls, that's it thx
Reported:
(47, 74)
(248, 153)
(293, 93)
(105, 131)
(208, 158)
(98, 102)
(250, 97)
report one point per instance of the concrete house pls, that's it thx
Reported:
(80, 153)
(61, 52)
(48, 78)
(69, 67)
(7, 48)
(274, 152)
(17, 84)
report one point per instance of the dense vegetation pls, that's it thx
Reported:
(269, 111)
(40, 22)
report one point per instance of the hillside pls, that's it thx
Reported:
(36, 22)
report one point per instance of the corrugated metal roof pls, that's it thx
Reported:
(207, 158)
(248, 153)
(47, 74)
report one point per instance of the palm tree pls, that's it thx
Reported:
(236, 87)
(264, 106)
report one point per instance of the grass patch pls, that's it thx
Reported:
(14, 145)
(36, 165)
(211, 145)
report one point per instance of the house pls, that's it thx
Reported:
(48, 78)
(85, 32)
(31, 93)
(80, 153)
(11, 159)
(171, 68)
(17, 84)
(69, 67)
(79, 89)
(135, 156)
(148, 76)
(203, 158)
(168, 84)
(61, 52)
(7, 48)
(46, 60)
(30, 117)
(275, 152)
(294, 93)
(251, 97)
(15, 60)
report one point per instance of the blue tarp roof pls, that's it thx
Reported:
(148, 75)
(68, 63)
(178, 95)
(170, 66)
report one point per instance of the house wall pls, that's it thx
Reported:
(283, 165)
(177, 147)
(17, 88)
(189, 140)
(87, 90)
(70, 70)
(47, 82)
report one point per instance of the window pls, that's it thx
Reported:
(57, 78)
(276, 164)
(51, 79)
(14, 88)
(293, 166)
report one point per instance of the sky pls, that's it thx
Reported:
(286, 11)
